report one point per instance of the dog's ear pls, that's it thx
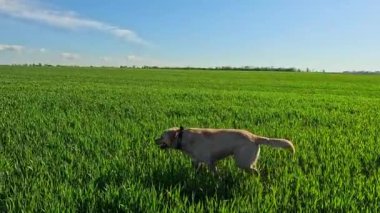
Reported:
(173, 136)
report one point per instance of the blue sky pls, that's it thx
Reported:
(321, 34)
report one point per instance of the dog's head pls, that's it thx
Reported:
(168, 138)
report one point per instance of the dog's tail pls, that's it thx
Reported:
(276, 142)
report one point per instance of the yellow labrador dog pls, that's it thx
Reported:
(210, 145)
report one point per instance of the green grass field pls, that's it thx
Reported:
(81, 139)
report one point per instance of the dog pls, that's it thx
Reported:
(208, 146)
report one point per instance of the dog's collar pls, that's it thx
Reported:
(179, 138)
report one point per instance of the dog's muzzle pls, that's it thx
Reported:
(161, 144)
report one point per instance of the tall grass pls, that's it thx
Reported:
(78, 139)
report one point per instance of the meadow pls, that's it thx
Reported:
(81, 140)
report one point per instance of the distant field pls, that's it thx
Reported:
(81, 139)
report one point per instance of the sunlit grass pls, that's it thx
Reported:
(81, 139)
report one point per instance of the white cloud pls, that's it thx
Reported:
(105, 59)
(134, 58)
(63, 19)
(42, 50)
(11, 48)
(70, 56)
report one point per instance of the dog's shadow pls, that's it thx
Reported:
(194, 187)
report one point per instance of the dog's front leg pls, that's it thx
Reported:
(212, 168)
(196, 165)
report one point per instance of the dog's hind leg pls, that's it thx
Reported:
(246, 158)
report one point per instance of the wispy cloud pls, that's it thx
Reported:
(70, 56)
(23, 9)
(105, 59)
(10, 47)
(134, 58)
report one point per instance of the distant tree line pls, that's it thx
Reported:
(247, 68)
(243, 68)
(362, 72)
